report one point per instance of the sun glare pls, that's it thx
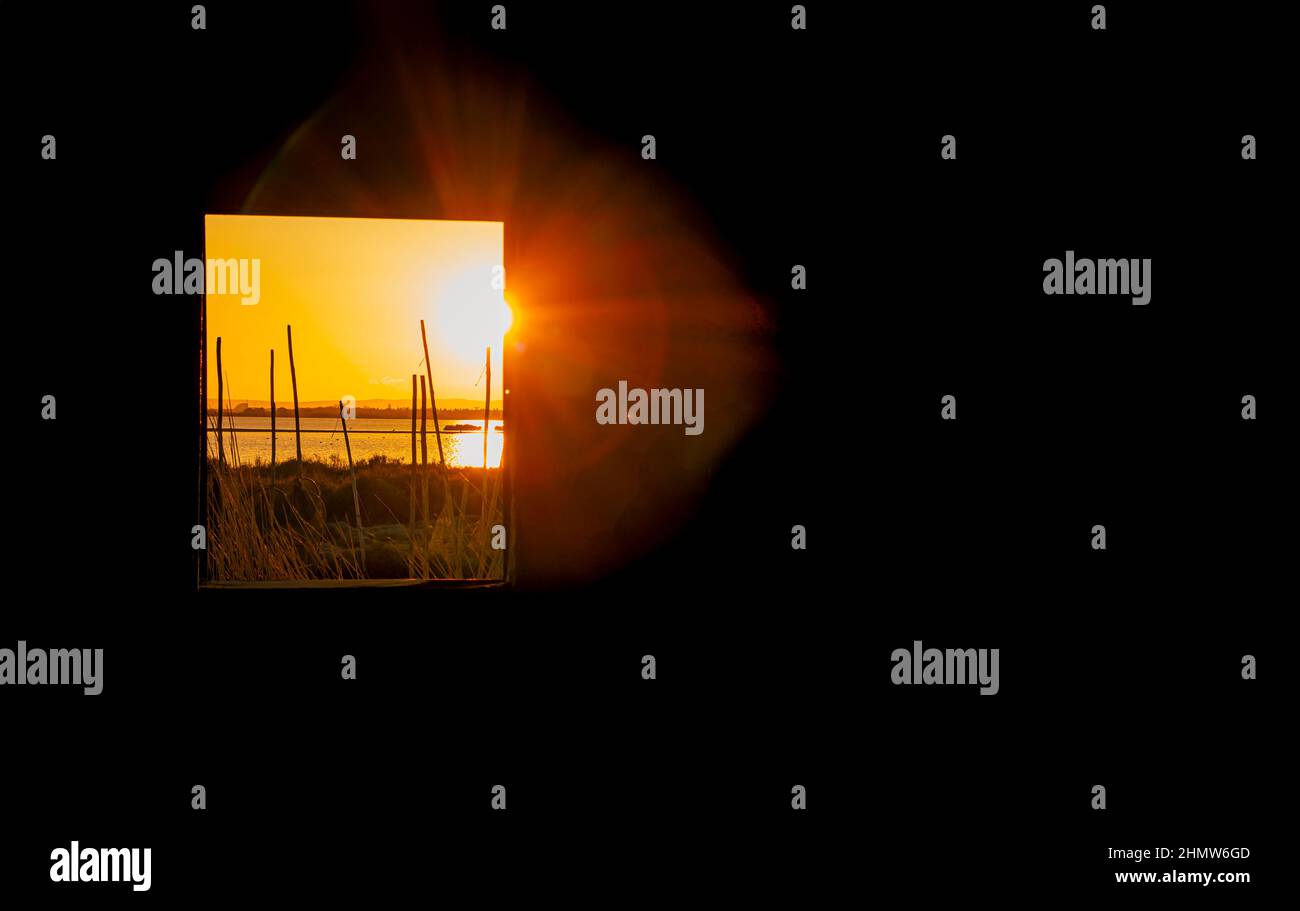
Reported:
(469, 315)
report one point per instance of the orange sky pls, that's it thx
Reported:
(355, 290)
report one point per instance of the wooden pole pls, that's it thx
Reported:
(221, 447)
(356, 499)
(272, 417)
(415, 472)
(293, 376)
(487, 412)
(424, 453)
(428, 368)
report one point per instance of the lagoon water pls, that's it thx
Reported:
(325, 440)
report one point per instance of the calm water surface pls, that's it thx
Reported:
(463, 450)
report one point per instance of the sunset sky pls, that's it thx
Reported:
(355, 290)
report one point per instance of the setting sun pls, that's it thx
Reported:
(470, 314)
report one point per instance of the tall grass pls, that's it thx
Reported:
(262, 529)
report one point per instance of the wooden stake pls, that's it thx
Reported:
(415, 472)
(221, 447)
(293, 375)
(415, 465)
(428, 368)
(272, 417)
(424, 453)
(356, 498)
